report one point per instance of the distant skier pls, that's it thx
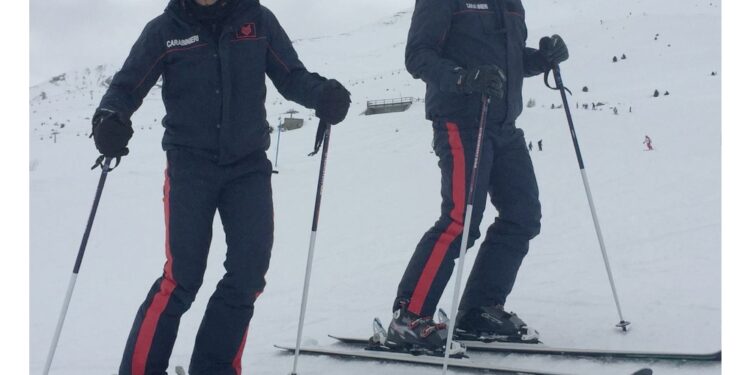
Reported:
(647, 142)
(214, 57)
(463, 51)
(531, 146)
(539, 145)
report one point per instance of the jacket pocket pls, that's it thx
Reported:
(491, 24)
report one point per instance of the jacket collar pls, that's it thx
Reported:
(178, 10)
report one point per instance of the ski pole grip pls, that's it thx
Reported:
(104, 163)
(556, 74)
(323, 128)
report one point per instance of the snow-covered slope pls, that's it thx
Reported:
(660, 211)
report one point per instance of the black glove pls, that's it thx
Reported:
(333, 103)
(111, 134)
(553, 50)
(486, 79)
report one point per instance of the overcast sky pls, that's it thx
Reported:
(72, 34)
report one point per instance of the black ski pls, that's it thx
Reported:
(464, 364)
(179, 370)
(570, 352)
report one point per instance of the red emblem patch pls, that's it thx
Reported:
(247, 31)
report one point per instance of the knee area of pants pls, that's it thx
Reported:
(239, 298)
(189, 286)
(184, 297)
(446, 224)
(526, 232)
(445, 221)
(535, 225)
(521, 251)
(528, 228)
(534, 229)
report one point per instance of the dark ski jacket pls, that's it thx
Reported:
(214, 93)
(450, 34)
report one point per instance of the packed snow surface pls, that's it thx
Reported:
(659, 210)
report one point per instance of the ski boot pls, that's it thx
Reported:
(409, 333)
(493, 324)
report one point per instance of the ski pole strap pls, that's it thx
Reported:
(546, 82)
(103, 162)
(322, 128)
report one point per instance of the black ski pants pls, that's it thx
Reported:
(195, 188)
(507, 175)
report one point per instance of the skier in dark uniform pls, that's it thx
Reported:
(214, 57)
(464, 50)
(539, 145)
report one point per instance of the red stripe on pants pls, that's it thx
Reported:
(159, 302)
(454, 229)
(237, 362)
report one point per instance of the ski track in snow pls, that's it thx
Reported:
(659, 211)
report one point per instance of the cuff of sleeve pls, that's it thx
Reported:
(103, 112)
(536, 64)
(451, 82)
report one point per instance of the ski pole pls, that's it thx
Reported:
(77, 267)
(558, 81)
(466, 230)
(324, 132)
(278, 144)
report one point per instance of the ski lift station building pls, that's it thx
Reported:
(376, 107)
(291, 123)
